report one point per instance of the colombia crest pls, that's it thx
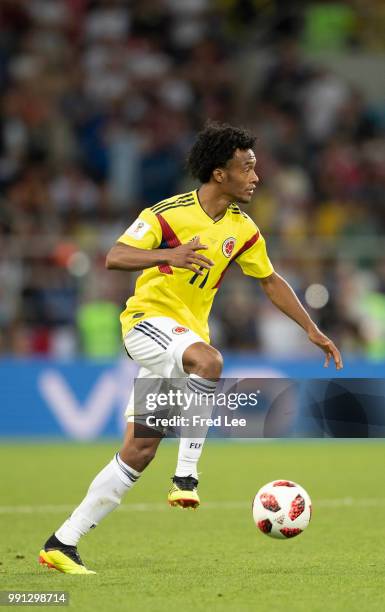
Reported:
(228, 246)
(179, 330)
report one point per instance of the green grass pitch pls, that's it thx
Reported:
(150, 557)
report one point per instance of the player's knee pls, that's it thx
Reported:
(206, 362)
(212, 366)
(146, 454)
(138, 453)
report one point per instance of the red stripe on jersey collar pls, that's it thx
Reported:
(243, 248)
(171, 240)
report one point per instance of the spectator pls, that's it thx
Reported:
(99, 104)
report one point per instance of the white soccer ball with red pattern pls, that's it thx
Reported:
(282, 509)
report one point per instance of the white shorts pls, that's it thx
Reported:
(157, 344)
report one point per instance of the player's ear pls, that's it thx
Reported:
(219, 175)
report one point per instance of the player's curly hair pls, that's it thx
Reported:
(214, 147)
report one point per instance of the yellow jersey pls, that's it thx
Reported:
(179, 293)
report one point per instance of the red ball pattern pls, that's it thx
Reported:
(290, 532)
(269, 502)
(297, 507)
(283, 483)
(265, 526)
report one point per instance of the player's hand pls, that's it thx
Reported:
(328, 346)
(187, 256)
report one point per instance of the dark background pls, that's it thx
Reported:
(100, 102)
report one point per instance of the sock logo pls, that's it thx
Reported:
(195, 445)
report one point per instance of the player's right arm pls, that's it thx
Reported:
(137, 249)
(124, 257)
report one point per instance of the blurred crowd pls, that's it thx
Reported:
(99, 104)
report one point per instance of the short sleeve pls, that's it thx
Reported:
(252, 257)
(144, 233)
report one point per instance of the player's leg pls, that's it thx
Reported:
(103, 496)
(155, 347)
(121, 473)
(137, 451)
(175, 351)
(203, 364)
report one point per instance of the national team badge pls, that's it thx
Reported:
(228, 246)
(179, 330)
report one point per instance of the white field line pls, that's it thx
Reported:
(218, 505)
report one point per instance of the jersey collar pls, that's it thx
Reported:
(208, 218)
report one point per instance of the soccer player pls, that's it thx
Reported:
(183, 245)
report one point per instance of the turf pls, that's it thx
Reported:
(158, 558)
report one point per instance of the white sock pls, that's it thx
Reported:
(103, 496)
(190, 448)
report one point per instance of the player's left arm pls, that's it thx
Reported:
(254, 261)
(282, 295)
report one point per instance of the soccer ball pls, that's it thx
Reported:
(282, 509)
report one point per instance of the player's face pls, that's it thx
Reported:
(240, 179)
